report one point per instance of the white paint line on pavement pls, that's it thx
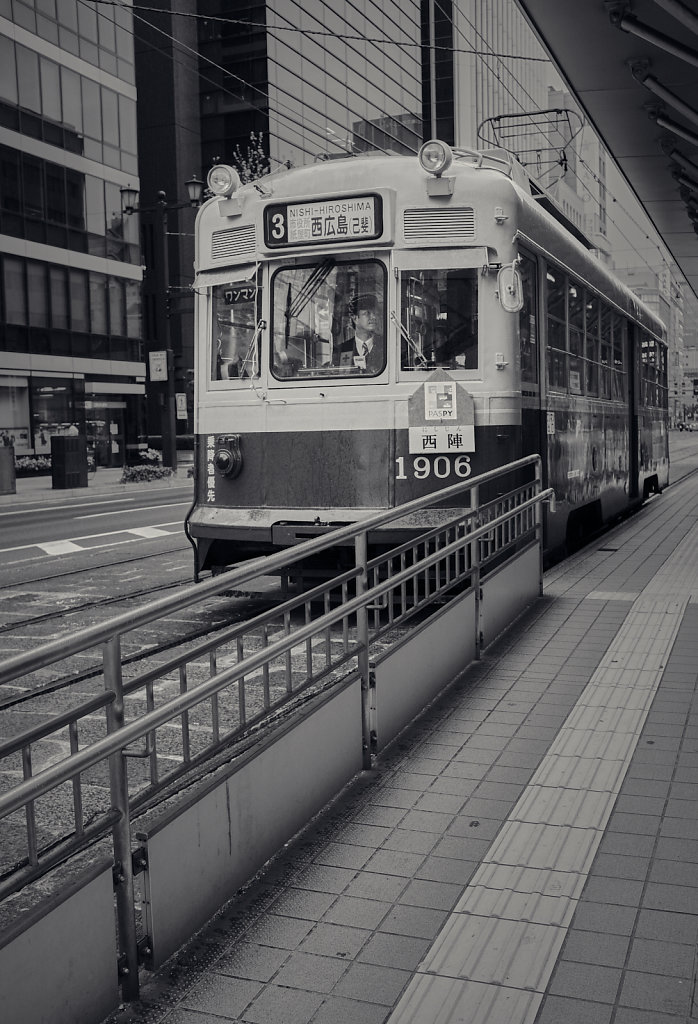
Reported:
(141, 508)
(83, 504)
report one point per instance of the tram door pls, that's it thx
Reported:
(533, 437)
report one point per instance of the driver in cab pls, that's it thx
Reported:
(362, 350)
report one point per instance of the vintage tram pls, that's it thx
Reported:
(373, 328)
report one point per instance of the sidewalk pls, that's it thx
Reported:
(39, 489)
(526, 853)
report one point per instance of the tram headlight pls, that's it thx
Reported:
(436, 157)
(223, 180)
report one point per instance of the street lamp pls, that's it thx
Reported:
(161, 360)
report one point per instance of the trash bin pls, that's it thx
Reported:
(8, 480)
(68, 461)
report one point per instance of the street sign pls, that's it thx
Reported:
(181, 400)
(157, 362)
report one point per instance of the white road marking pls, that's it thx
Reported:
(149, 531)
(76, 542)
(82, 504)
(57, 547)
(142, 508)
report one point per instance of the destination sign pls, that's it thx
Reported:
(350, 219)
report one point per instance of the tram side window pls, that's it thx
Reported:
(328, 319)
(528, 323)
(591, 344)
(620, 334)
(557, 329)
(439, 319)
(654, 391)
(606, 351)
(234, 351)
(575, 310)
(662, 376)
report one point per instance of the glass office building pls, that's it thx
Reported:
(70, 265)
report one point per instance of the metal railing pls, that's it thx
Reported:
(173, 716)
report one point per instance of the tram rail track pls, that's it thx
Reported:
(48, 578)
(155, 650)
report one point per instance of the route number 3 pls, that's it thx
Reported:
(441, 467)
(278, 227)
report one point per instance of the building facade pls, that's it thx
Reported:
(70, 263)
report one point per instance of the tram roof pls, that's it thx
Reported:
(628, 64)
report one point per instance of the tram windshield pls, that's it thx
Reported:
(439, 323)
(328, 319)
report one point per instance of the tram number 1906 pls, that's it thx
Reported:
(440, 466)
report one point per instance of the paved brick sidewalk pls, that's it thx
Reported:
(527, 853)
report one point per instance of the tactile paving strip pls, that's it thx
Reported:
(493, 959)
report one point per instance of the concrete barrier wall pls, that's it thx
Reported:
(508, 592)
(412, 673)
(58, 962)
(204, 851)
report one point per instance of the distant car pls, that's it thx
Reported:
(688, 425)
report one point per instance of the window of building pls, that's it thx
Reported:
(8, 71)
(38, 294)
(110, 128)
(117, 313)
(59, 298)
(72, 99)
(98, 303)
(10, 187)
(50, 89)
(92, 118)
(79, 304)
(133, 309)
(28, 79)
(15, 292)
(14, 413)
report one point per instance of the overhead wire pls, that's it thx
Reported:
(378, 40)
(317, 130)
(382, 88)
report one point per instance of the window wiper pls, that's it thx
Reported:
(251, 359)
(318, 277)
(419, 358)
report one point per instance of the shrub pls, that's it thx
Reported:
(150, 456)
(32, 464)
(140, 474)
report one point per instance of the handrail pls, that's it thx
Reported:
(453, 554)
(22, 664)
(46, 780)
(38, 732)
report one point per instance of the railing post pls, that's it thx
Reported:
(475, 547)
(361, 561)
(539, 522)
(121, 830)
